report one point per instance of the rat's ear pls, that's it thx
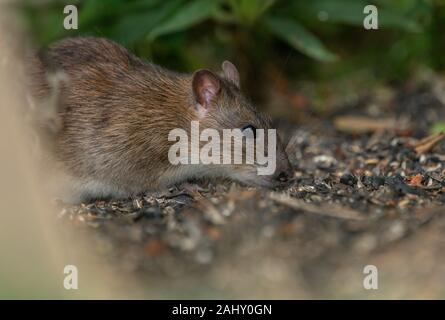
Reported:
(206, 87)
(231, 73)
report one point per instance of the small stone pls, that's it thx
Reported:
(324, 161)
(348, 179)
(374, 181)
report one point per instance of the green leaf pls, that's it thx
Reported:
(248, 11)
(186, 16)
(133, 27)
(389, 18)
(299, 38)
(351, 12)
(344, 11)
(93, 10)
(438, 127)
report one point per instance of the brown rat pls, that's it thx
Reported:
(116, 112)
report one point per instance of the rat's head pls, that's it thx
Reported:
(219, 105)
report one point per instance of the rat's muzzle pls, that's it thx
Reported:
(283, 178)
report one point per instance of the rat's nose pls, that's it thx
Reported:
(283, 177)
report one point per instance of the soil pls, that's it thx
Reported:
(368, 189)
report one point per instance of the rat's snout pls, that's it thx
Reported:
(283, 173)
(283, 176)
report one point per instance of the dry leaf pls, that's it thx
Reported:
(416, 180)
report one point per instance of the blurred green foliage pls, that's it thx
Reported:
(438, 127)
(316, 38)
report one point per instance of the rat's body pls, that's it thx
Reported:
(116, 112)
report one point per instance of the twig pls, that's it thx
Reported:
(428, 143)
(332, 210)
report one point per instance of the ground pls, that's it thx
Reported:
(368, 189)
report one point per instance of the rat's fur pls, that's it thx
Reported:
(116, 112)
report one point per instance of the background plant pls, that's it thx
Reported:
(316, 38)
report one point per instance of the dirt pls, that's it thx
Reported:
(362, 194)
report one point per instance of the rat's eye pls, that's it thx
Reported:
(249, 127)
